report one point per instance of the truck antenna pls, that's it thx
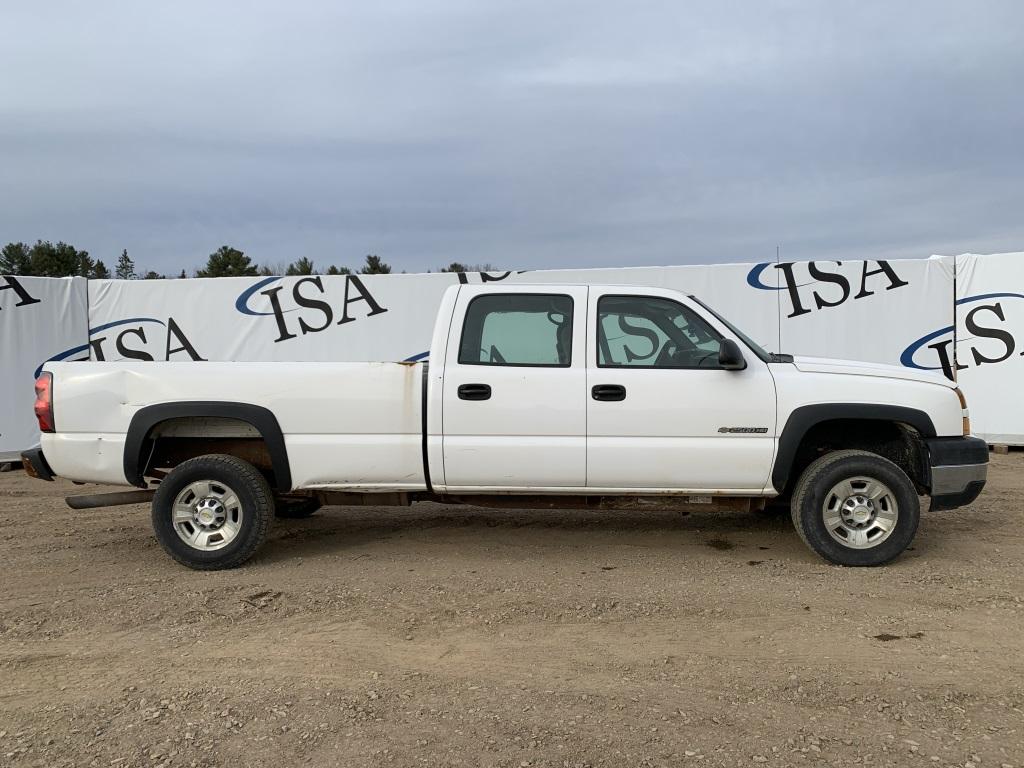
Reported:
(778, 300)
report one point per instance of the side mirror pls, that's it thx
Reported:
(730, 357)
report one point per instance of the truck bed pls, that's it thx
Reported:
(356, 425)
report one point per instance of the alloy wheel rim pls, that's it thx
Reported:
(207, 515)
(860, 512)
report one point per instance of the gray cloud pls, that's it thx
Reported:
(522, 134)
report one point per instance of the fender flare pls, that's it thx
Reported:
(261, 419)
(802, 419)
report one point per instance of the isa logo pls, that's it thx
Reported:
(310, 305)
(989, 322)
(306, 306)
(805, 283)
(21, 296)
(137, 338)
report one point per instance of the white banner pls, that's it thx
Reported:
(864, 310)
(317, 318)
(349, 318)
(869, 310)
(40, 319)
(898, 312)
(990, 343)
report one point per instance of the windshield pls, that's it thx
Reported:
(767, 357)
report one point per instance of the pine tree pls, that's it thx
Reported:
(125, 269)
(374, 266)
(15, 260)
(301, 267)
(44, 259)
(60, 260)
(228, 262)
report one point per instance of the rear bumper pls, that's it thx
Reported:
(959, 468)
(35, 464)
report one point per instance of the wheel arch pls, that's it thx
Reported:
(149, 418)
(805, 418)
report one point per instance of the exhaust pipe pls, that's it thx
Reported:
(95, 500)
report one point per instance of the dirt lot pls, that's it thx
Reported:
(457, 636)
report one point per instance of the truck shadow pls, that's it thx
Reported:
(749, 538)
(368, 529)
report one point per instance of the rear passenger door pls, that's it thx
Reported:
(514, 390)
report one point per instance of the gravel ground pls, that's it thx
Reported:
(444, 635)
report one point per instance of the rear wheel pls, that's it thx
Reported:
(855, 508)
(212, 512)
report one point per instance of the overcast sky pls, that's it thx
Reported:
(523, 134)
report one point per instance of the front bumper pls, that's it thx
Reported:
(35, 464)
(959, 467)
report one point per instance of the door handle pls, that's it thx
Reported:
(611, 393)
(474, 392)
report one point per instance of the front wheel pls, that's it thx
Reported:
(212, 512)
(855, 508)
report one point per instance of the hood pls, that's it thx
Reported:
(860, 368)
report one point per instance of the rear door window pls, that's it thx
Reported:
(518, 329)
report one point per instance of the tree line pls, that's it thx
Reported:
(46, 259)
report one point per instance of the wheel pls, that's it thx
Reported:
(295, 507)
(855, 508)
(212, 512)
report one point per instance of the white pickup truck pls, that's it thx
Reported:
(553, 396)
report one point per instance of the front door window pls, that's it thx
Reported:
(652, 332)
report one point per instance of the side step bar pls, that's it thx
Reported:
(95, 500)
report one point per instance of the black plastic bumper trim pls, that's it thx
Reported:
(959, 466)
(33, 458)
(961, 499)
(956, 451)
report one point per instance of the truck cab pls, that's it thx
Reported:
(571, 389)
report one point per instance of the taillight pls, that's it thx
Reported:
(44, 401)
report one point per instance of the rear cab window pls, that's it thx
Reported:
(518, 329)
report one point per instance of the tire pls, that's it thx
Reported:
(855, 508)
(295, 508)
(220, 502)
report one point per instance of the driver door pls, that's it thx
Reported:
(660, 411)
